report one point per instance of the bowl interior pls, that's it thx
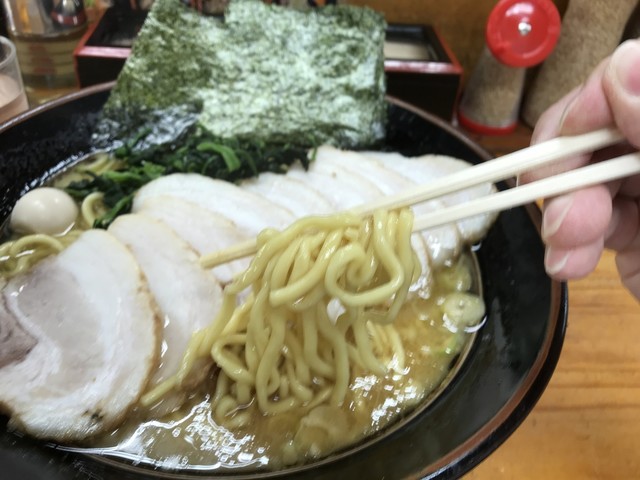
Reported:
(505, 373)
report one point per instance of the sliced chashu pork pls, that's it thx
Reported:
(442, 243)
(342, 189)
(202, 229)
(250, 212)
(95, 337)
(187, 295)
(363, 188)
(346, 189)
(288, 192)
(427, 168)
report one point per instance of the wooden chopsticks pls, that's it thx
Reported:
(498, 169)
(601, 172)
(492, 171)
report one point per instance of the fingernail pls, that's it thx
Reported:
(625, 67)
(554, 215)
(555, 261)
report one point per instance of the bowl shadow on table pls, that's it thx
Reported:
(505, 373)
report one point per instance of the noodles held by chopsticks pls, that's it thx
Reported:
(323, 296)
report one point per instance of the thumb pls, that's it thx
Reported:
(621, 84)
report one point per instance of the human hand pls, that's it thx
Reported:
(578, 226)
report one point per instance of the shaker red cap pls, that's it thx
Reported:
(522, 33)
(482, 129)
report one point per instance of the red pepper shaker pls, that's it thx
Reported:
(519, 34)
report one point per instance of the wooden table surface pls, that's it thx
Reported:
(587, 423)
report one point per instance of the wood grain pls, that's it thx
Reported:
(587, 423)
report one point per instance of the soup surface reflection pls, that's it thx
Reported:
(191, 439)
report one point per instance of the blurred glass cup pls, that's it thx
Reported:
(45, 34)
(13, 99)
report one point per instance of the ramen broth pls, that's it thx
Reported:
(191, 439)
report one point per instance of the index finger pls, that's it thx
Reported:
(583, 110)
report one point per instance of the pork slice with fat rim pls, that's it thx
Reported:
(427, 168)
(443, 243)
(341, 189)
(250, 212)
(203, 230)
(92, 340)
(188, 296)
(301, 198)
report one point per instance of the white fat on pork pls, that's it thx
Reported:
(300, 198)
(250, 212)
(202, 229)
(442, 243)
(364, 188)
(341, 188)
(187, 295)
(427, 168)
(93, 340)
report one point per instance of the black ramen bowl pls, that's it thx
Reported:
(506, 371)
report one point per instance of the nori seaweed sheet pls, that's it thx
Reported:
(263, 72)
